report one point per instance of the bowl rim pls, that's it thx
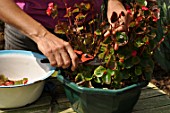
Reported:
(27, 53)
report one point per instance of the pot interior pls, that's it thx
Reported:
(18, 64)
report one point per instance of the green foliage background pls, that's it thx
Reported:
(162, 55)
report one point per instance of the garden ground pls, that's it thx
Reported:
(161, 79)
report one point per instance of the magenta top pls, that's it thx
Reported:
(37, 9)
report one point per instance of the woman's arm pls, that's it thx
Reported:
(10, 13)
(59, 52)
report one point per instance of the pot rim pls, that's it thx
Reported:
(80, 89)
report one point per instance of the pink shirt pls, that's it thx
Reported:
(37, 9)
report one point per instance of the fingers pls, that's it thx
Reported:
(58, 52)
(65, 56)
(65, 59)
(121, 28)
(113, 31)
(121, 25)
(73, 56)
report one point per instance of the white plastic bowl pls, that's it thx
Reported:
(19, 64)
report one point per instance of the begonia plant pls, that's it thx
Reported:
(116, 60)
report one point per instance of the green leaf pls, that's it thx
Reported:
(88, 39)
(97, 80)
(111, 72)
(125, 74)
(134, 79)
(118, 77)
(88, 77)
(92, 21)
(61, 28)
(147, 62)
(103, 47)
(106, 78)
(85, 6)
(142, 2)
(98, 32)
(54, 12)
(79, 77)
(99, 71)
(139, 42)
(107, 40)
(121, 37)
(138, 70)
(132, 24)
(81, 16)
(148, 69)
(128, 63)
(101, 55)
(145, 39)
(112, 51)
(69, 14)
(135, 60)
(54, 74)
(80, 28)
(76, 10)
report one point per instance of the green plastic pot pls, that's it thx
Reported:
(95, 100)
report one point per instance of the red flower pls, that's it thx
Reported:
(147, 43)
(144, 8)
(155, 19)
(140, 18)
(121, 60)
(134, 53)
(48, 12)
(156, 10)
(51, 5)
(50, 8)
(129, 11)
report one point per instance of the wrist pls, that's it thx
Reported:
(38, 32)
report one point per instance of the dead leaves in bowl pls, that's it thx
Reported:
(4, 81)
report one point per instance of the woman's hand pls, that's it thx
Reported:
(58, 51)
(121, 24)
